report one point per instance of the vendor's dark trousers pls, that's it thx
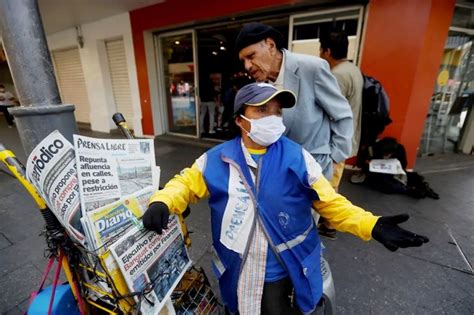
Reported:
(8, 116)
(277, 298)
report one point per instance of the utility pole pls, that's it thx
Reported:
(24, 41)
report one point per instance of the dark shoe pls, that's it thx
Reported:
(327, 232)
(431, 193)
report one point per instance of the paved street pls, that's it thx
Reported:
(369, 279)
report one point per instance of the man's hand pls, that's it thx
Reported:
(156, 217)
(387, 232)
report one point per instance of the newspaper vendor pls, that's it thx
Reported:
(262, 187)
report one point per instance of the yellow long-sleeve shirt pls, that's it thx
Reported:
(190, 186)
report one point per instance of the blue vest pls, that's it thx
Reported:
(283, 201)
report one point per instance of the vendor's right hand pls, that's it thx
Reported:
(156, 217)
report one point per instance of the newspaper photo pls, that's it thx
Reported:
(152, 263)
(386, 166)
(109, 221)
(108, 169)
(51, 168)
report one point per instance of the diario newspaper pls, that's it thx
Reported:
(107, 223)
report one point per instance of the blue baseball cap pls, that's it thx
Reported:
(258, 94)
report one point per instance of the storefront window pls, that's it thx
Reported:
(307, 28)
(446, 125)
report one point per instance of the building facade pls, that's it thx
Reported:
(152, 63)
(398, 42)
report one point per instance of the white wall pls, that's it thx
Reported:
(95, 66)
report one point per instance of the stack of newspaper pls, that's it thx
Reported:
(99, 189)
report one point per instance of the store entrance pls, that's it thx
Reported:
(219, 66)
(201, 72)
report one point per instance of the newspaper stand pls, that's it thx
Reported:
(193, 295)
(100, 289)
(94, 272)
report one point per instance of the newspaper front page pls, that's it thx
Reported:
(111, 168)
(51, 168)
(108, 222)
(151, 261)
(386, 166)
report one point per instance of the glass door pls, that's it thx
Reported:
(178, 81)
(452, 96)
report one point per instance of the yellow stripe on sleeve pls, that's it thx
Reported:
(341, 214)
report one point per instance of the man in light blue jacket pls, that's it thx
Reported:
(321, 121)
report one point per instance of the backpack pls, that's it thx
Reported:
(375, 111)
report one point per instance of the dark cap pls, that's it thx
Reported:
(254, 32)
(258, 94)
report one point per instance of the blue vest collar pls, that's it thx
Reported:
(233, 153)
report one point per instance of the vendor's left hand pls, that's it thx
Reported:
(387, 232)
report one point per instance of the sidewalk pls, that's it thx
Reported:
(369, 279)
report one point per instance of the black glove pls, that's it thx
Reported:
(156, 217)
(387, 232)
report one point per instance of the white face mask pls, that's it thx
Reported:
(266, 130)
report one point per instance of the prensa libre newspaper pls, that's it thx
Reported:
(108, 169)
(151, 261)
(51, 168)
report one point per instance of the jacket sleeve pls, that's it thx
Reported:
(341, 213)
(188, 186)
(329, 97)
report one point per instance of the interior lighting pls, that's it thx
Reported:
(222, 48)
(214, 53)
(177, 42)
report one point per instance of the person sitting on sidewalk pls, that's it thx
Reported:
(261, 188)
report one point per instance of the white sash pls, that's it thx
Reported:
(238, 215)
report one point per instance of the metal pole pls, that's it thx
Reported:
(30, 63)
